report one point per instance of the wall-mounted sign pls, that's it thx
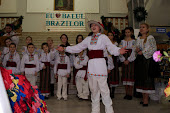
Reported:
(63, 21)
(161, 30)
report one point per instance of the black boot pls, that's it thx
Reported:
(52, 89)
(112, 92)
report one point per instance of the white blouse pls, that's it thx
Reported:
(75, 55)
(97, 66)
(60, 60)
(25, 60)
(79, 62)
(147, 48)
(55, 54)
(129, 45)
(110, 63)
(16, 58)
(24, 50)
(4, 52)
(46, 58)
(116, 44)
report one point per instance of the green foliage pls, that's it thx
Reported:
(140, 14)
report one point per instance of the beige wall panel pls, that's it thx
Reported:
(118, 6)
(8, 6)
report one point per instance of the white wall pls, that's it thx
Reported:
(118, 6)
(158, 14)
(12, 7)
(35, 22)
(85, 6)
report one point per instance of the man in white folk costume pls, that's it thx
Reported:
(98, 44)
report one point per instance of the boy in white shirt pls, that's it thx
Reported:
(80, 63)
(30, 65)
(12, 60)
(62, 72)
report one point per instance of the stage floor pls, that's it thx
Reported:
(74, 105)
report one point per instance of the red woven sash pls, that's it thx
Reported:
(95, 54)
(62, 66)
(11, 64)
(30, 65)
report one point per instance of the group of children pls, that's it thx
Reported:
(50, 64)
(95, 69)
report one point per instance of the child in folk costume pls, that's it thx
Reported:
(145, 47)
(11, 60)
(128, 62)
(111, 36)
(110, 67)
(62, 72)
(80, 63)
(30, 64)
(45, 70)
(97, 69)
(113, 78)
(5, 50)
(109, 63)
(79, 39)
(64, 41)
(55, 54)
(11, 34)
(24, 48)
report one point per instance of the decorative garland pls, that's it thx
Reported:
(140, 14)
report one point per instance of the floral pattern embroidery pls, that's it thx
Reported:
(97, 75)
(31, 58)
(81, 58)
(62, 59)
(11, 57)
(94, 39)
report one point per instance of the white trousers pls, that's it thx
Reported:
(98, 85)
(62, 84)
(32, 79)
(82, 88)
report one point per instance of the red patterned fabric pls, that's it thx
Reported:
(27, 98)
(5, 75)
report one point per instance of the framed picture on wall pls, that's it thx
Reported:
(64, 5)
